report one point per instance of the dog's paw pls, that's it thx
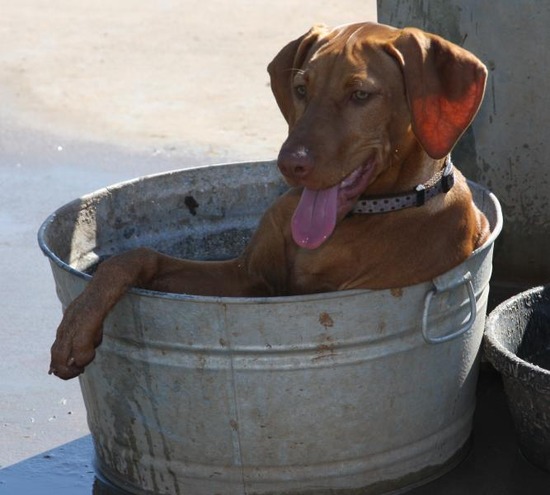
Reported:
(78, 335)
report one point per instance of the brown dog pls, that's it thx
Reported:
(373, 113)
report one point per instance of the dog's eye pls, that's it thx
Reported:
(300, 91)
(360, 95)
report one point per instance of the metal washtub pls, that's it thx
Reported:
(356, 392)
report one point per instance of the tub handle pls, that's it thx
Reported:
(467, 281)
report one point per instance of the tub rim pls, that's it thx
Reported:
(504, 360)
(240, 300)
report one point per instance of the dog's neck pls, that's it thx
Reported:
(405, 164)
(440, 182)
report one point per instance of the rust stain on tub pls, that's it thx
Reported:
(326, 320)
(397, 292)
(325, 349)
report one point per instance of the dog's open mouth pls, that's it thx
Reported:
(318, 211)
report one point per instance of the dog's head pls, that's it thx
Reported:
(357, 98)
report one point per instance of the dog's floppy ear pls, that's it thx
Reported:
(444, 85)
(282, 68)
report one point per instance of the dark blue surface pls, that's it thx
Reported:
(66, 470)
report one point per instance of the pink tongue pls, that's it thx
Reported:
(315, 217)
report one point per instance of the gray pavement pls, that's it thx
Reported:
(39, 173)
(93, 94)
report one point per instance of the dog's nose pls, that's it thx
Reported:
(296, 162)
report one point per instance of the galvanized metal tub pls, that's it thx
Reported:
(356, 392)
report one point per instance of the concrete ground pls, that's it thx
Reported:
(92, 94)
(98, 92)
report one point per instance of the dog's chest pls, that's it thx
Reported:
(362, 254)
(340, 263)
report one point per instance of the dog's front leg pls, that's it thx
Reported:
(81, 329)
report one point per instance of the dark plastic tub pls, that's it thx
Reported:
(517, 343)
